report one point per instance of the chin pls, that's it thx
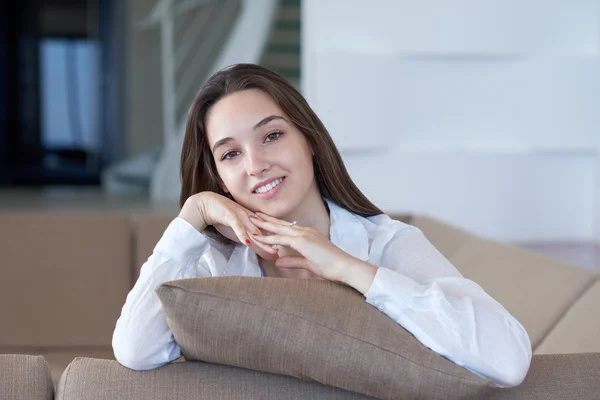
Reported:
(277, 211)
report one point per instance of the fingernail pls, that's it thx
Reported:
(255, 234)
(247, 241)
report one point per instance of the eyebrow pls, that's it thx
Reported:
(260, 123)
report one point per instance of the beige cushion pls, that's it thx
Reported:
(529, 285)
(25, 377)
(87, 378)
(309, 329)
(65, 277)
(579, 330)
(557, 377)
(59, 360)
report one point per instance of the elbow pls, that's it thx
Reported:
(513, 374)
(514, 365)
(129, 360)
(128, 357)
(130, 354)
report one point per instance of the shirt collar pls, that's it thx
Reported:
(347, 232)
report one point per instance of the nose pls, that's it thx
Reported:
(256, 163)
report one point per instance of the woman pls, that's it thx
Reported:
(265, 193)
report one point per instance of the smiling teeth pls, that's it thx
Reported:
(269, 186)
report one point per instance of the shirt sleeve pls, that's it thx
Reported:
(421, 290)
(142, 339)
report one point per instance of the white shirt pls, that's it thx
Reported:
(415, 285)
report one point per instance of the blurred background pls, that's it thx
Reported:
(481, 114)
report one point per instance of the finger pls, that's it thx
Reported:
(292, 262)
(274, 220)
(252, 231)
(264, 254)
(240, 231)
(275, 228)
(266, 247)
(277, 239)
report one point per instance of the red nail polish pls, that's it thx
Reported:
(255, 234)
(247, 241)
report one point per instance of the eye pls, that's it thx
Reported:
(229, 155)
(274, 136)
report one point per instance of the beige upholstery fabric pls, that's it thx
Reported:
(308, 329)
(558, 377)
(25, 377)
(551, 377)
(107, 380)
(579, 330)
(65, 277)
(59, 360)
(148, 229)
(529, 285)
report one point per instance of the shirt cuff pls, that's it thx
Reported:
(392, 288)
(182, 242)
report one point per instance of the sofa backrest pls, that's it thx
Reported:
(24, 377)
(551, 377)
(108, 380)
(65, 276)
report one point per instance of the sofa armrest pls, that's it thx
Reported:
(558, 377)
(25, 377)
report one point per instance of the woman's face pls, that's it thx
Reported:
(254, 144)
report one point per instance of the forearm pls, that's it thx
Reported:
(359, 275)
(191, 212)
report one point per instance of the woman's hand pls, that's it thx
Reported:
(317, 253)
(228, 217)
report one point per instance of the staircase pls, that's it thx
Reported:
(282, 53)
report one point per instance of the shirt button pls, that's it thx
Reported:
(224, 272)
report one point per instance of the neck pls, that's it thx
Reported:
(312, 213)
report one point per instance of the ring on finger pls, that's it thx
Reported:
(293, 224)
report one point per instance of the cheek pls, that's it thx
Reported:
(228, 179)
(303, 163)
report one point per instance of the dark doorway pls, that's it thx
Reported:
(60, 79)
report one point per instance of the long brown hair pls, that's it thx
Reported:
(198, 169)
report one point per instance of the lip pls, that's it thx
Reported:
(263, 183)
(271, 193)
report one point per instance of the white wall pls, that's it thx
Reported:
(597, 206)
(484, 114)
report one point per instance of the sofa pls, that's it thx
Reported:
(65, 276)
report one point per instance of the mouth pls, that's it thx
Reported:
(270, 187)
